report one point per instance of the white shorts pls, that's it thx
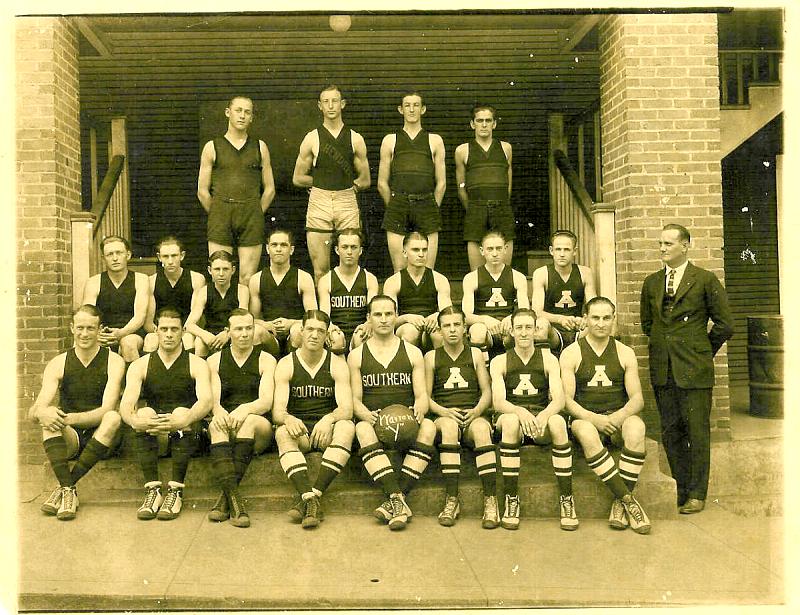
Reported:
(332, 209)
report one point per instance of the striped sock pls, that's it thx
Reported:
(183, 447)
(94, 452)
(334, 459)
(294, 464)
(222, 466)
(509, 463)
(56, 451)
(416, 460)
(147, 454)
(562, 466)
(450, 461)
(603, 465)
(379, 468)
(630, 465)
(486, 462)
(242, 454)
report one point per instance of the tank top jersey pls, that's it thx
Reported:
(600, 381)
(82, 388)
(334, 168)
(526, 384)
(412, 170)
(496, 298)
(455, 381)
(236, 175)
(348, 307)
(116, 304)
(178, 296)
(311, 397)
(239, 384)
(218, 308)
(419, 299)
(166, 389)
(383, 386)
(564, 298)
(487, 172)
(280, 300)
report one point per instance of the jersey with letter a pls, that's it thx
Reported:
(116, 302)
(422, 298)
(495, 298)
(348, 307)
(178, 296)
(82, 387)
(564, 298)
(455, 382)
(334, 168)
(526, 383)
(383, 386)
(164, 388)
(412, 170)
(280, 300)
(239, 384)
(600, 381)
(311, 397)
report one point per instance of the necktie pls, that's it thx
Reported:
(671, 283)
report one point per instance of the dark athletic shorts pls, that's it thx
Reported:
(565, 339)
(85, 434)
(236, 223)
(481, 216)
(412, 212)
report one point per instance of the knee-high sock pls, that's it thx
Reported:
(416, 460)
(183, 447)
(603, 465)
(147, 454)
(379, 468)
(562, 466)
(294, 465)
(486, 462)
(222, 466)
(94, 452)
(56, 451)
(630, 465)
(334, 458)
(242, 455)
(509, 463)
(450, 462)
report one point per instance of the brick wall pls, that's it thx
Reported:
(661, 163)
(48, 189)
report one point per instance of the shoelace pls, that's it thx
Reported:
(55, 497)
(450, 507)
(635, 511)
(235, 505)
(618, 510)
(69, 494)
(150, 497)
(312, 507)
(566, 504)
(513, 507)
(490, 508)
(397, 506)
(171, 499)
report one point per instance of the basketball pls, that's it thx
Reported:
(396, 427)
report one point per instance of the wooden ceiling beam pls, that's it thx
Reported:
(578, 31)
(95, 37)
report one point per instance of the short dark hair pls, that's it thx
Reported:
(352, 230)
(286, 232)
(239, 312)
(88, 308)
(331, 87)
(412, 93)
(494, 232)
(450, 310)
(599, 300)
(112, 239)
(221, 255)
(414, 235)
(316, 315)
(683, 232)
(167, 239)
(522, 312)
(380, 298)
(166, 312)
(482, 107)
(235, 96)
(564, 233)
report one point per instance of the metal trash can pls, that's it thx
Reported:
(765, 364)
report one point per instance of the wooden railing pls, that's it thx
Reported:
(738, 68)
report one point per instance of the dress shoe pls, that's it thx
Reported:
(691, 506)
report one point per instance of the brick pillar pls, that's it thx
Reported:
(48, 188)
(659, 99)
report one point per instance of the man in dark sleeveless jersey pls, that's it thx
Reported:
(171, 286)
(121, 296)
(212, 304)
(411, 181)
(345, 291)
(279, 295)
(604, 398)
(235, 186)
(332, 164)
(491, 294)
(483, 174)
(313, 410)
(175, 388)
(460, 394)
(528, 399)
(387, 370)
(420, 292)
(561, 289)
(87, 379)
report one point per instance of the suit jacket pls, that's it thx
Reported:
(682, 336)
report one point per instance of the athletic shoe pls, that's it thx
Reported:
(617, 519)
(491, 516)
(636, 515)
(511, 515)
(152, 501)
(569, 518)
(238, 514)
(384, 511)
(173, 502)
(69, 504)
(311, 519)
(219, 512)
(406, 509)
(297, 511)
(399, 517)
(450, 512)
(52, 503)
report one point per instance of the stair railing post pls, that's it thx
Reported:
(81, 223)
(605, 250)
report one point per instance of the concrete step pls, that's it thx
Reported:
(265, 486)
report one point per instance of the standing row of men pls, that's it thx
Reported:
(235, 183)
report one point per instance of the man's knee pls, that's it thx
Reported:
(633, 432)
(365, 433)
(448, 428)
(585, 432)
(480, 431)
(557, 425)
(109, 424)
(151, 342)
(509, 427)
(146, 412)
(344, 430)
(409, 333)
(478, 333)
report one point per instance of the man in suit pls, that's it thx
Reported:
(676, 305)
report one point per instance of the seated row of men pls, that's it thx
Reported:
(279, 294)
(317, 400)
